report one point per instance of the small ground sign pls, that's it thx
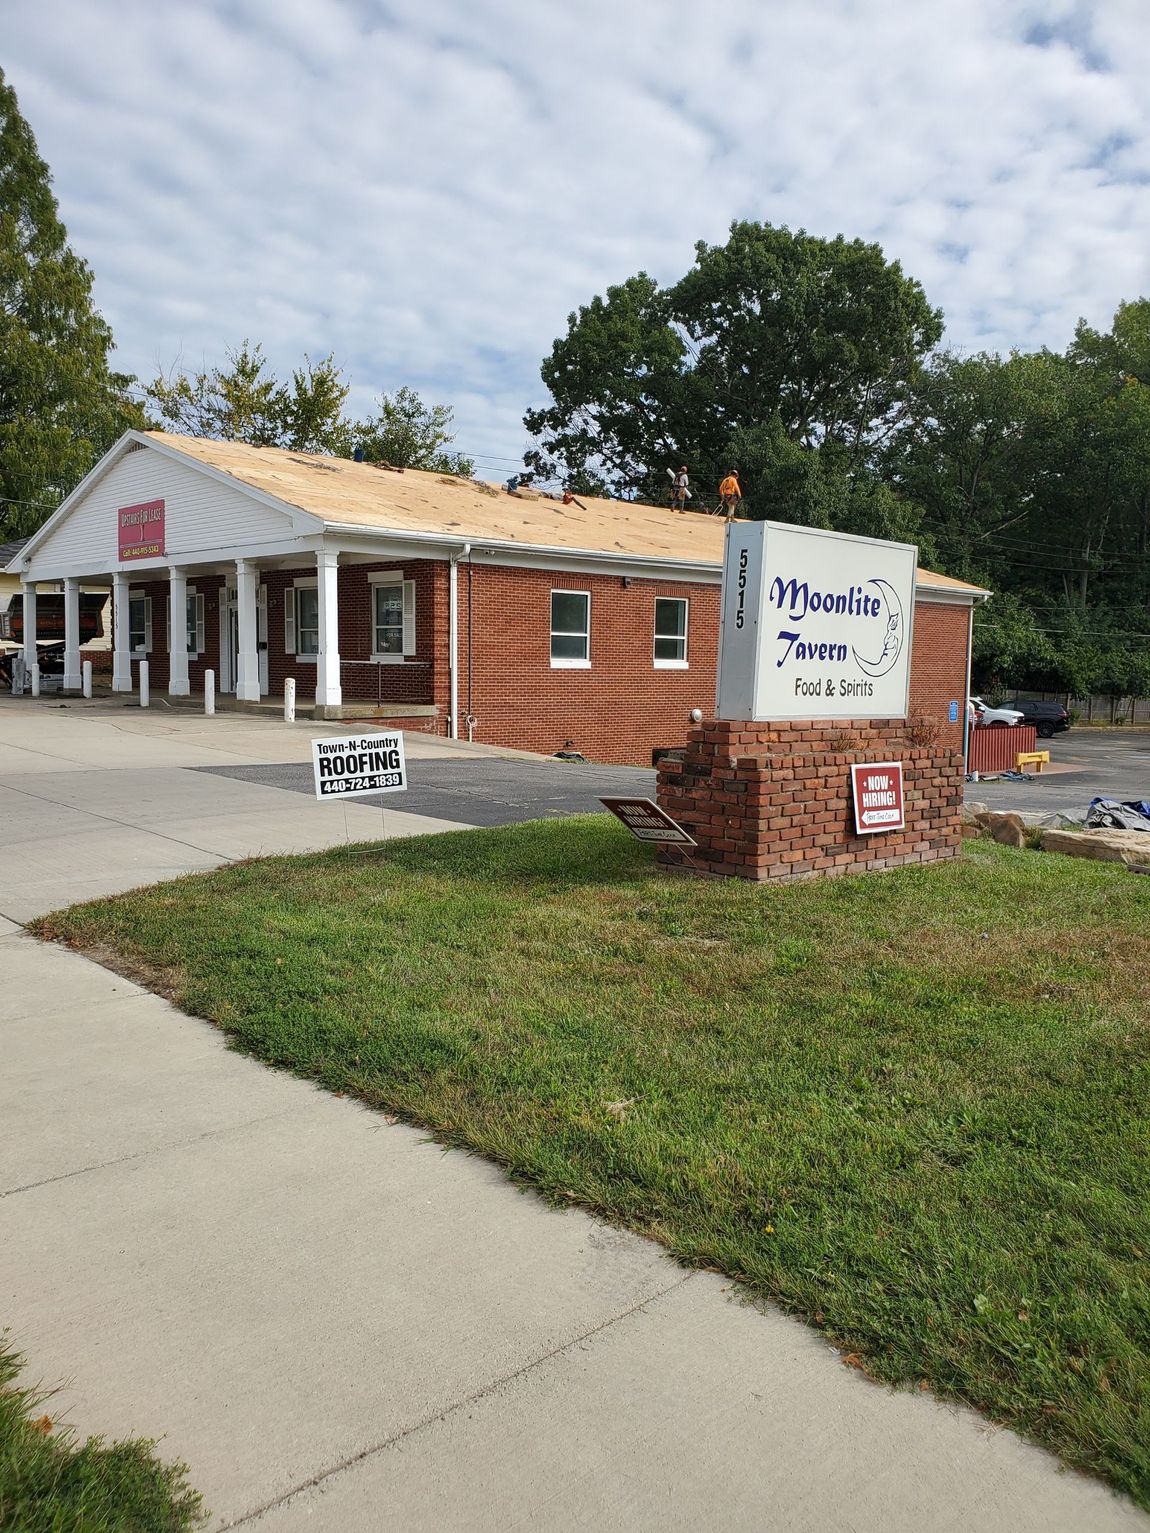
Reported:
(645, 820)
(878, 796)
(358, 764)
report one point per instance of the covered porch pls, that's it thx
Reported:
(355, 631)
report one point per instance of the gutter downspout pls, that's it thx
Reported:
(453, 634)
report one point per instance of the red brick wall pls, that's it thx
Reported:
(622, 707)
(412, 682)
(619, 710)
(938, 666)
(211, 588)
(773, 801)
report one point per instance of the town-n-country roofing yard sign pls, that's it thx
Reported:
(353, 765)
(140, 531)
(815, 625)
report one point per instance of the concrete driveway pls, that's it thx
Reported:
(336, 1323)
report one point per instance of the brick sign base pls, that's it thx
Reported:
(773, 801)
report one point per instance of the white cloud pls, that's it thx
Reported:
(428, 187)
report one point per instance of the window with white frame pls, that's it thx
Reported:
(571, 629)
(140, 624)
(301, 620)
(393, 616)
(670, 632)
(194, 620)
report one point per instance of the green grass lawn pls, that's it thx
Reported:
(49, 1483)
(911, 1107)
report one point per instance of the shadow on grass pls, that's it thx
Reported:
(595, 851)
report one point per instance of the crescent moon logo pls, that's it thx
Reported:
(894, 632)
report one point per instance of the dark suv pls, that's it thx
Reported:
(1048, 718)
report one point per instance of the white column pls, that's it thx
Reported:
(328, 692)
(248, 659)
(121, 636)
(178, 683)
(29, 604)
(71, 682)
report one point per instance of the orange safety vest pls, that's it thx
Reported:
(730, 486)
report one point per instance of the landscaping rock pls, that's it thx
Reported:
(1128, 846)
(971, 811)
(1007, 829)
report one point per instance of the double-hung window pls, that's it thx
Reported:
(140, 624)
(670, 632)
(194, 619)
(301, 620)
(392, 616)
(571, 630)
(195, 623)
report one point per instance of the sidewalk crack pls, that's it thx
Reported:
(450, 1410)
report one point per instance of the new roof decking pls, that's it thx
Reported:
(357, 495)
(343, 493)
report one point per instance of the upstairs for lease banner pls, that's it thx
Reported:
(140, 531)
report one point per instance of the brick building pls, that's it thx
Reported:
(433, 603)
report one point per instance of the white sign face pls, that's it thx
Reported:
(815, 625)
(358, 764)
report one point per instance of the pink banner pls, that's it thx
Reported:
(141, 530)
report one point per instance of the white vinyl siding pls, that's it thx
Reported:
(570, 630)
(671, 633)
(200, 513)
(393, 617)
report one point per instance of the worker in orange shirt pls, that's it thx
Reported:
(730, 494)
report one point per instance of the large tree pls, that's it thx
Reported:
(780, 354)
(1033, 475)
(61, 406)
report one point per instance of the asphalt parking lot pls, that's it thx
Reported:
(483, 791)
(1084, 764)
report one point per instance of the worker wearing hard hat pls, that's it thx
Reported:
(730, 494)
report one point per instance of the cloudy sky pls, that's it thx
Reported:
(428, 187)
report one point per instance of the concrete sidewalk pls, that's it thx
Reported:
(340, 1326)
(96, 799)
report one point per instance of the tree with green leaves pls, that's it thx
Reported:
(781, 354)
(406, 433)
(1033, 476)
(61, 406)
(245, 402)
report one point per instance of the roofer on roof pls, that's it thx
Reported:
(681, 493)
(730, 493)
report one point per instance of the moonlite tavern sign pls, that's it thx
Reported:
(815, 625)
